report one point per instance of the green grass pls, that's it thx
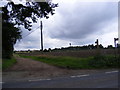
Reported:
(63, 62)
(95, 62)
(7, 63)
(109, 61)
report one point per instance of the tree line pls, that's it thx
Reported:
(84, 47)
(71, 48)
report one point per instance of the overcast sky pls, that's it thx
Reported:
(76, 22)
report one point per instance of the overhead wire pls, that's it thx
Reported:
(30, 33)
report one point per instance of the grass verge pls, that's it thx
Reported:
(63, 62)
(7, 63)
(109, 61)
(97, 62)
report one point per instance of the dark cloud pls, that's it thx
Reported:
(78, 23)
(83, 19)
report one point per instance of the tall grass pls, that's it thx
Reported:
(7, 63)
(63, 62)
(109, 61)
(79, 63)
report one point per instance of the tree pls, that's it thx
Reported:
(19, 14)
(110, 47)
(10, 35)
(22, 14)
(101, 46)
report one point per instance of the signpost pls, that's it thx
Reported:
(115, 39)
(116, 45)
(97, 43)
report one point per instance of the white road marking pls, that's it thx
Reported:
(112, 72)
(38, 80)
(79, 76)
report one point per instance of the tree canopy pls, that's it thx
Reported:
(19, 14)
(10, 35)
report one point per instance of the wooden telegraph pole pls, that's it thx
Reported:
(41, 26)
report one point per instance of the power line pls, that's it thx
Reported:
(30, 33)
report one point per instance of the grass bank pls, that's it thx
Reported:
(97, 62)
(7, 63)
(63, 62)
(109, 61)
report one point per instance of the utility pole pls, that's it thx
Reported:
(41, 26)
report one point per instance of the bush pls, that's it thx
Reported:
(101, 61)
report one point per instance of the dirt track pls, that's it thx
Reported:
(26, 69)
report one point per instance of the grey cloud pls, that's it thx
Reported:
(78, 23)
(83, 20)
(29, 41)
(27, 44)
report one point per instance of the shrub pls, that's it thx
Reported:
(101, 61)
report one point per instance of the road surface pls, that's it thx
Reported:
(107, 79)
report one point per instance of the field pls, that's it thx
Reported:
(84, 59)
(80, 53)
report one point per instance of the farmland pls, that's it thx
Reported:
(57, 63)
(72, 59)
(73, 53)
(83, 59)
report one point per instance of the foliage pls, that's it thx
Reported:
(10, 35)
(26, 14)
(84, 47)
(110, 46)
(7, 63)
(96, 62)
(19, 14)
(105, 61)
(63, 62)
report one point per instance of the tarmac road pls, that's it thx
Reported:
(96, 80)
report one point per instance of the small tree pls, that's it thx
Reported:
(101, 46)
(110, 47)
